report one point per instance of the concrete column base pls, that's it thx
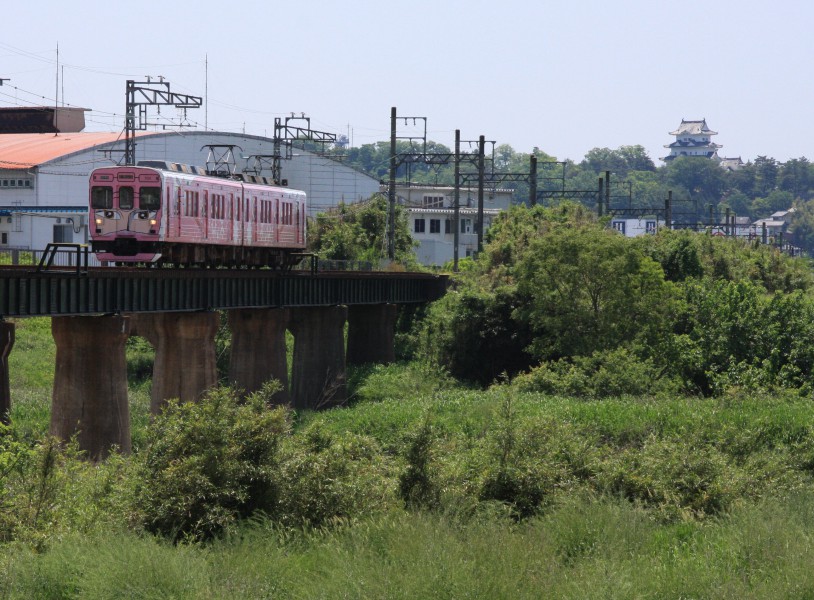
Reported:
(258, 350)
(371, 330)
(318, 373)
(89, 399)
(185, 362)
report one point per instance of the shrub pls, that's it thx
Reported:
(209, 463)
(417, 485)
(521, 475)
(679, 479)
(326, 476)
(603, 374)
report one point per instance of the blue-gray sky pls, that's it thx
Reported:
(566, 76)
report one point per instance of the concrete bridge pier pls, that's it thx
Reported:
(318, 377)
(6, 344)
(371, 330)
(258, 349)
(185, 362)
(89, 399)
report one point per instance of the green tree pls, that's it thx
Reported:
(588, 289)
(359, 232)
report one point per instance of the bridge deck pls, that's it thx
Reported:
(24, 292)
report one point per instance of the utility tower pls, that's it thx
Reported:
(140, 95)
(285, 135)
(420, 155)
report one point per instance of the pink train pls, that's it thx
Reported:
(166, 212)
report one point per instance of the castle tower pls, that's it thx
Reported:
(693, 138)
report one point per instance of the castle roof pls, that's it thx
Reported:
(693, 144)
(693, 128)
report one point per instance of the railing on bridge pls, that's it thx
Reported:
(66, 257)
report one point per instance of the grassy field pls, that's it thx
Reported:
(422, 488)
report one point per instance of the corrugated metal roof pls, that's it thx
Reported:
(26, 150)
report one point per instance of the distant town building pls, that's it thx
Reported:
(731, 164)
(430, 210)
(634, 227)
(774, 225)
(692, 138)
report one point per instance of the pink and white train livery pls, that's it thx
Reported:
(167, 212)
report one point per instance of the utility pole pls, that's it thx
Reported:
(456, 218)
(607, 191)
(481, 150)
(533, 181)
(391, 190)
(599, 197)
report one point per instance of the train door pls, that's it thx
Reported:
(297, 236)
(177, 212)
(206, 212)
(252, 209)
(277, 220)
(231, 217)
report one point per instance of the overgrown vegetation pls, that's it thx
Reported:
(585, 311)
(584, 416)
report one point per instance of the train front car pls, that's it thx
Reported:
(125, 214)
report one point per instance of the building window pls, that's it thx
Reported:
(62, 234)
(4, 238)
(466, 225)
(650, 226)
(619, 226)
(15, 183)
(419, 225)
(433, 201)
(435, 225)
(448, 226)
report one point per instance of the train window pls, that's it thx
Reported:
(125, 197)
(101, 196)
(149, 198)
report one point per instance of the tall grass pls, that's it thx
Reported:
(584, 549)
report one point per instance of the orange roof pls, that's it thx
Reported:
(26, 150)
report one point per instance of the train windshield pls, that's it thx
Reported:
(150, 198)
(125, 198)
(101, 196)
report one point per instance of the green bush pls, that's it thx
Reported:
(326, 477)
(678, 479)
(607, 373)
(210, 463)
(418, 487)
(521, 474)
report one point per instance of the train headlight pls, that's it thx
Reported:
(153, 221)
(98, 221)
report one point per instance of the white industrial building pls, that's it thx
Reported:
(44, 176)
(431, 214)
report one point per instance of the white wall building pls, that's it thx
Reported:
(431, 214)
(44, 177)
(635, 227)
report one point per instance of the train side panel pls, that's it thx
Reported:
(188, 209)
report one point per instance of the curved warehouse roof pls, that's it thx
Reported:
(26, 150)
